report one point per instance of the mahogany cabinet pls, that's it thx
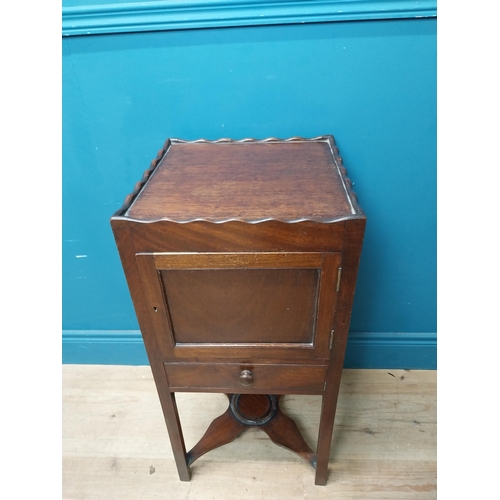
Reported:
(241, 259)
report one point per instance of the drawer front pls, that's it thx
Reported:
(246, 378)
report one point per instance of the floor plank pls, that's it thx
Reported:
(115, 443)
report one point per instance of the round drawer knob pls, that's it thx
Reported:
(246, 378)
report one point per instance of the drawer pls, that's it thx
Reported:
(246, 377)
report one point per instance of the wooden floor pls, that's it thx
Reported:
(115, 443)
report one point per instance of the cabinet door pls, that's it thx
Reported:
(272, 305)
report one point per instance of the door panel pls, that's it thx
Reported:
(273, 305)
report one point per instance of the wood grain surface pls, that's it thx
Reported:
(255, 181)
(115, 444)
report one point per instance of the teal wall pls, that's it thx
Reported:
(370, 83)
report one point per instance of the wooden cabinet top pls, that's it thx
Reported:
(248, 180)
